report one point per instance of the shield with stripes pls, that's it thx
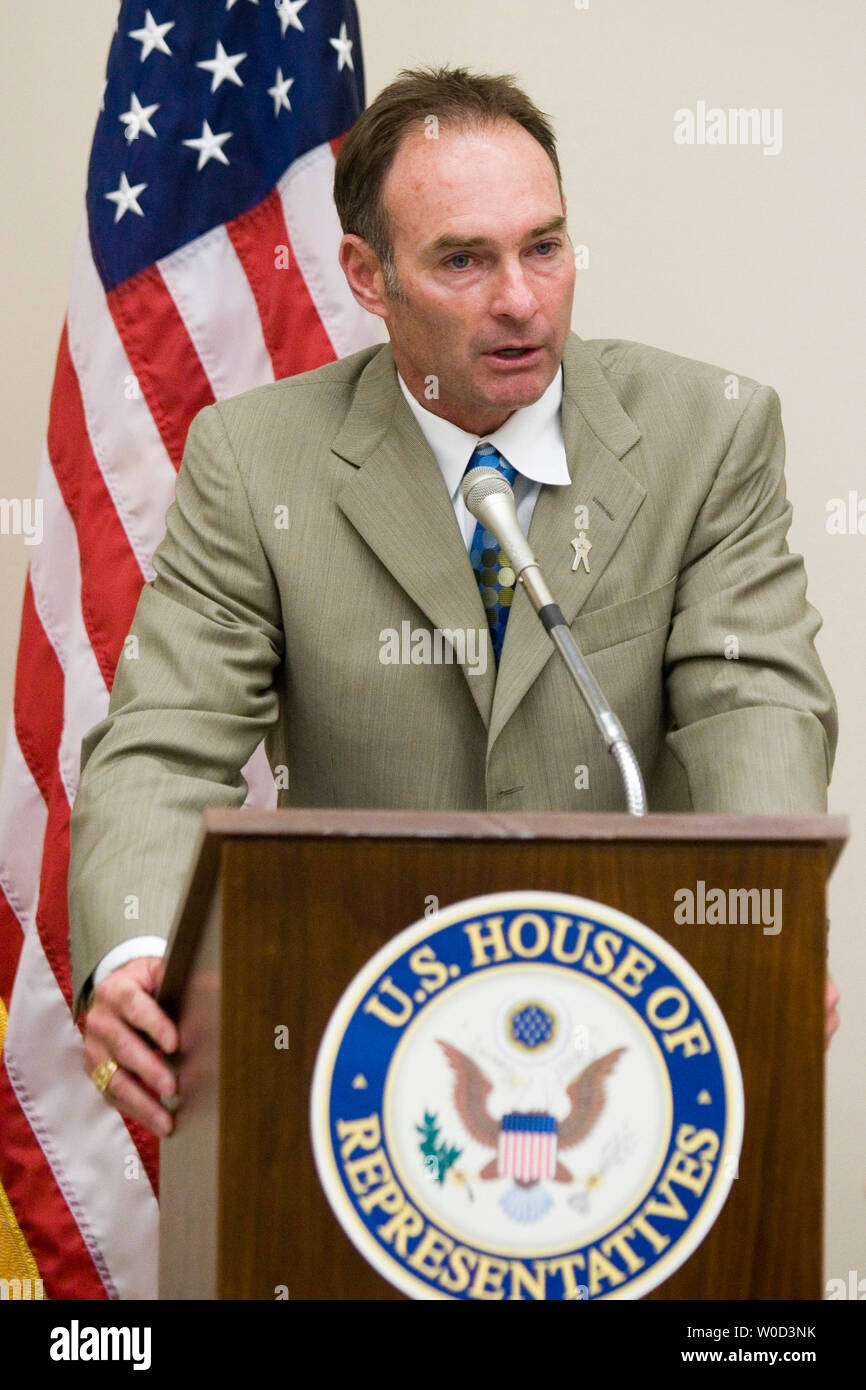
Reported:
(527, 1146)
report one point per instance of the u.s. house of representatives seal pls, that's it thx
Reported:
(527, 1095)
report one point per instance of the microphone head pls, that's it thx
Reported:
(483, 482)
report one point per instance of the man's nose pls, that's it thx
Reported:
(512, 293)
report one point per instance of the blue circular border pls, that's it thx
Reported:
(368, 1046)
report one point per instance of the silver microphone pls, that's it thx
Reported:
(489, 498)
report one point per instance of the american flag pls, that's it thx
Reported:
(527, 1147)
(206, 264)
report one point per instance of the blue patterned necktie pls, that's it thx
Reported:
(492, 570)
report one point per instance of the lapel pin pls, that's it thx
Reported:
(582, 546)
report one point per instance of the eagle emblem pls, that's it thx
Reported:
(528, 1144)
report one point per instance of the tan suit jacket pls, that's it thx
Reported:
(311, 518)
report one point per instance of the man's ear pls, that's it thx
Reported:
(363, 274)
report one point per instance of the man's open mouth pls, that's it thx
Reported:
(523, 351)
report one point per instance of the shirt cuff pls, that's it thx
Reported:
(132, 949)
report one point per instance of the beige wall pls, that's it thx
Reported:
(725, 254)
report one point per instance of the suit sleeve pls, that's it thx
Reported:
(754, 721)
(193, 696)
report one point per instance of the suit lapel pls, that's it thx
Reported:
(597, 432)
(397, 500)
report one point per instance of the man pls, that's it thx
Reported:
(658, 514)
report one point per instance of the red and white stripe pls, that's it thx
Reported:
(526, 1154)
(211, 320)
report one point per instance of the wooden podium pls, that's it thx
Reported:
(283, 908)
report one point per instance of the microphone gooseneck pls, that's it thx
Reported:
(489, 498)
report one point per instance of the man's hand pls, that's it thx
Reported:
(831, 1022)
(123, 1009)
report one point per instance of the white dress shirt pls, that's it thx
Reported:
(531, 440)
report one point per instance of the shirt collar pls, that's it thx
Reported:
(531, 439)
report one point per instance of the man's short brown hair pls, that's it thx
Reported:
(458, 99)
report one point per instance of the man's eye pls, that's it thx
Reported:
(459, 256)
(552, 245)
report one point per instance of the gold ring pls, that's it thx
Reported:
(101, 1075)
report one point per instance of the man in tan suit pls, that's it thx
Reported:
(655, 498)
